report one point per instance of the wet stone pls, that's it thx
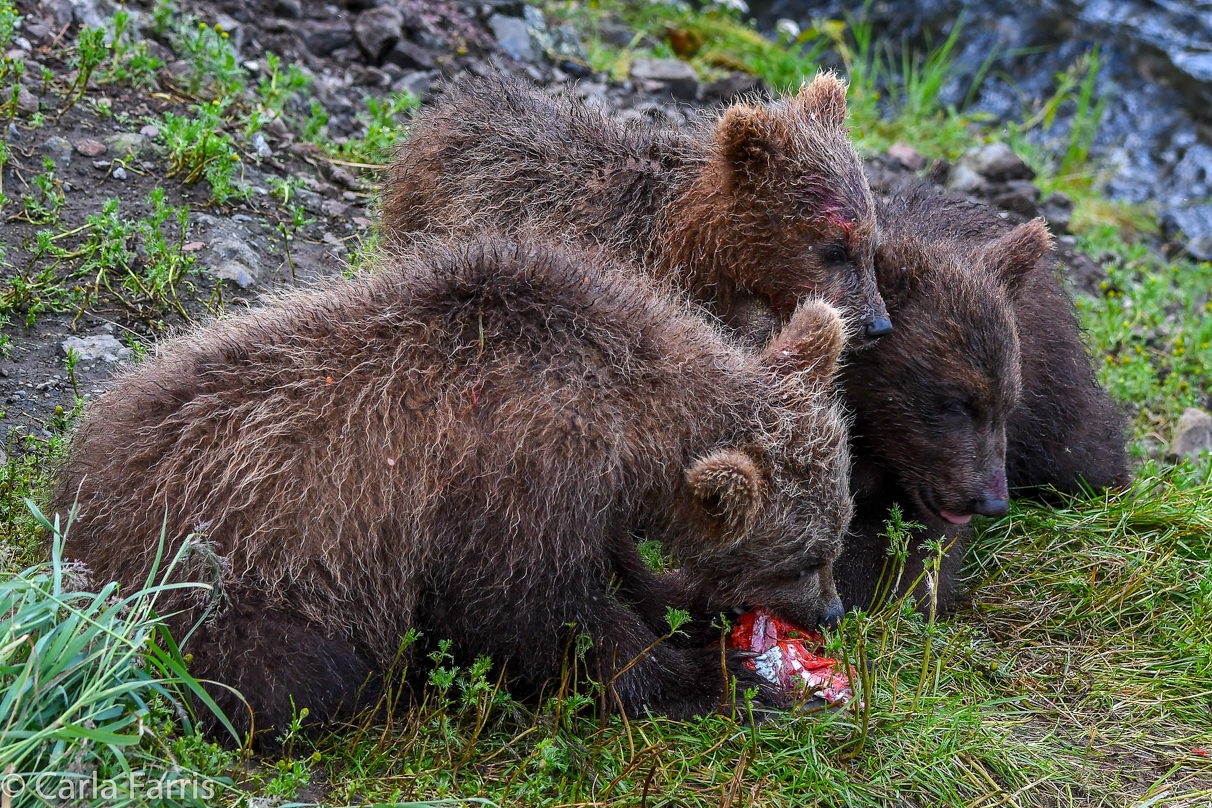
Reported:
(1192, 435)
(377, 30)
(90, 148)
(672, 75)
(97, 348)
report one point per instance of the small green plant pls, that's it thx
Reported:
(8, 23)
(381, 129)
(199, 148)
(212, 57)
(45, 206)
(275, 90)
(1086, 117)
(73, 359)
(90, 53)
(282, 188)
(131, 61)
(163, 12)
(315, 127)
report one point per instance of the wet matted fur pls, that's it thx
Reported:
(933, 402)
(465, 442)
(750, 211)
(1066, 432)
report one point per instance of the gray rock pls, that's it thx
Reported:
(965, 180)
(1195, 224)
(534, 18)
(907, 156)
(618, 35)
(60, 11)
(97, 348)
(1019, 196)
(331, 93)
(119, 173)
(416, 83)
(26, 100)
(997, 162)
(58, 149)
(1193, 434)
(85, 12)
(513, 35)
(377, 30)
(230, 248)
(729, 87)
(334, 208)
(566, 44)
(1057, 209)
(234, 271)
(674, 75)
(90, 148)
(410, 56)
(276, 127)
(128, 144)
(38, 30)
(257, 141)
(322, 38)
(310, 200)
(290, 9)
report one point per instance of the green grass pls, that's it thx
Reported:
(1078, 677)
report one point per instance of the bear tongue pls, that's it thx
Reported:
(956, 520)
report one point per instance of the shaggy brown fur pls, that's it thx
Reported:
(465, 443)
(933, 400)
(1066, 432)
(749, 213)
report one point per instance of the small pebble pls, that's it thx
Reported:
(119, 173)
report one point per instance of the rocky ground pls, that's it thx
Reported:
(297, 210)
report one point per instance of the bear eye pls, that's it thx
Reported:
(835, 253)
(957, 406)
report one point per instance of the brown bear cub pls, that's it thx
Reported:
(749, 213)
(1066, 432)
(465, 443)
(933, 402)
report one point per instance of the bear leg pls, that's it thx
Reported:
(636, 672)
(280, 664)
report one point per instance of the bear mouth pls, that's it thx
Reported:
(956, 519)
(928, 503)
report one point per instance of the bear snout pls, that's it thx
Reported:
(990, 507)
(996, 498)
(831, 615)
(878, 327)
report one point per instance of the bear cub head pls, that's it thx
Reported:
(790, 209)
(764, 522)
(932, 402)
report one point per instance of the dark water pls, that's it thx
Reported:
(1155, 138)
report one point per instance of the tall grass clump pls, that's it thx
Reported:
(91, 686)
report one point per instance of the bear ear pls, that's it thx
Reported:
(811, 343)
(1012, 257)
(746, 137)
(728, 484)
(823, 100)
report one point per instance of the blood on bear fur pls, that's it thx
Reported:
(749, 213)
(465, 443)
(933, 401)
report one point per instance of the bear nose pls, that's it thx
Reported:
(878, 327)
(832, 614)
(991, 507)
